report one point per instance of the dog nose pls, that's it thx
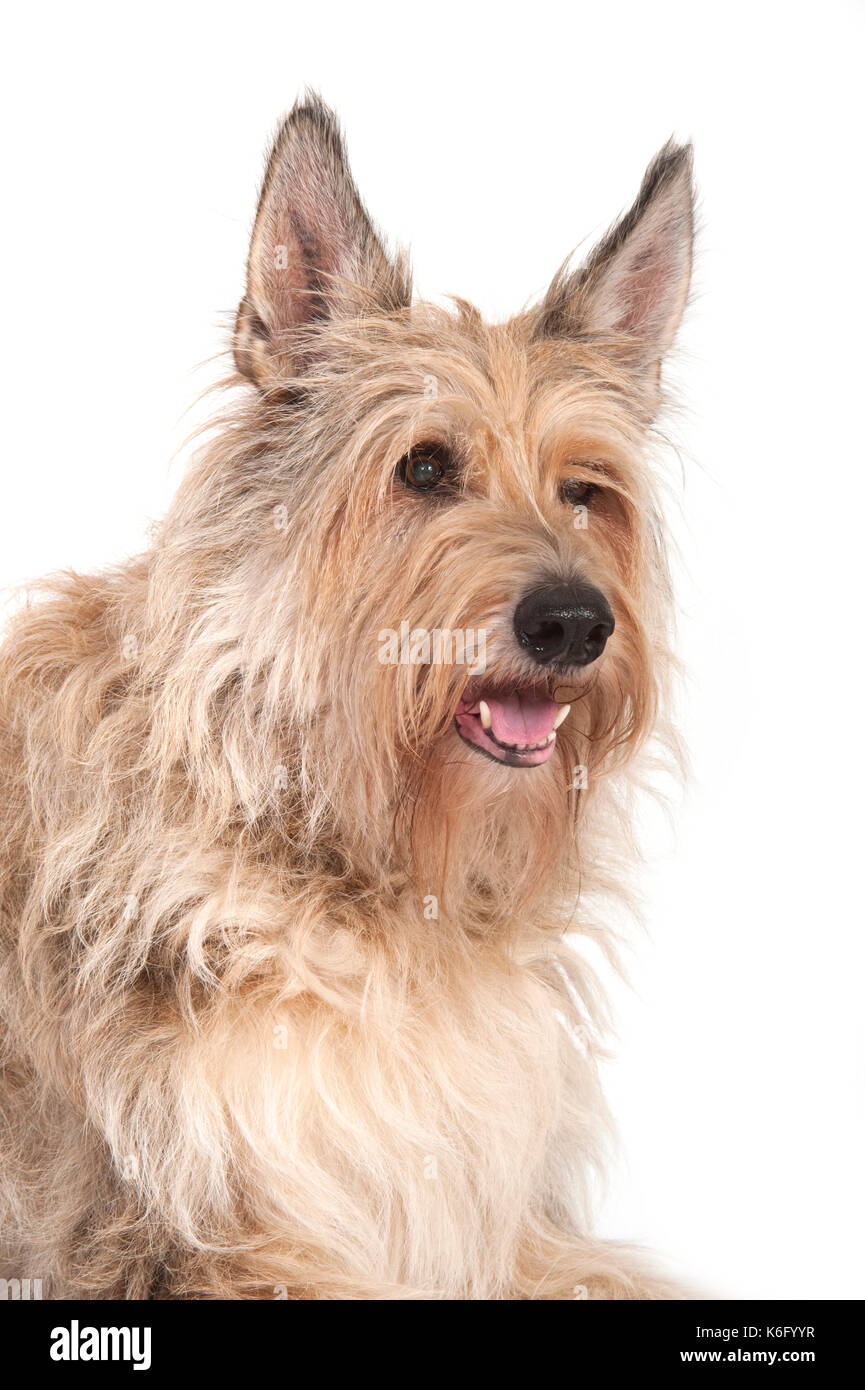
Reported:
(568, 624)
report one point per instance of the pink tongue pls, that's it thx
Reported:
(522, 718)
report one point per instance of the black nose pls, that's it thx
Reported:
(567, 624)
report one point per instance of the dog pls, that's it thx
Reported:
(308, 809)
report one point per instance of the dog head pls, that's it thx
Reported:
(459, 593)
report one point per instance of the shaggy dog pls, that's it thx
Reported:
(299, 805)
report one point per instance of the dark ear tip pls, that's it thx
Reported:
(310, 123)
(673, 162)
(670, 172)
(311, 112)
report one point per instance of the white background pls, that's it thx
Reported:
(494, 139)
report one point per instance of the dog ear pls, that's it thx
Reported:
(314, 252)
(634, 285)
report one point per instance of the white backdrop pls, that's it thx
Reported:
(493, 139)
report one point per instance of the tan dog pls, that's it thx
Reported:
(297, 806)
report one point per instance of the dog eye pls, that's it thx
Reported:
(423, 467)
(575, 492)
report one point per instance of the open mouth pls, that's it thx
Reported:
(516, 727)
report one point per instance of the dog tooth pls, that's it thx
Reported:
(486, 717)
(562, 715)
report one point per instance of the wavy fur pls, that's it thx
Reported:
(286, 1003)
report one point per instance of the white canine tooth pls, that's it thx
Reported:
(486, 717)
(562, 715)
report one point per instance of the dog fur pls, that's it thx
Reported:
(286, 1005)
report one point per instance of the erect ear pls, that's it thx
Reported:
(314, 252)
(634, 285)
